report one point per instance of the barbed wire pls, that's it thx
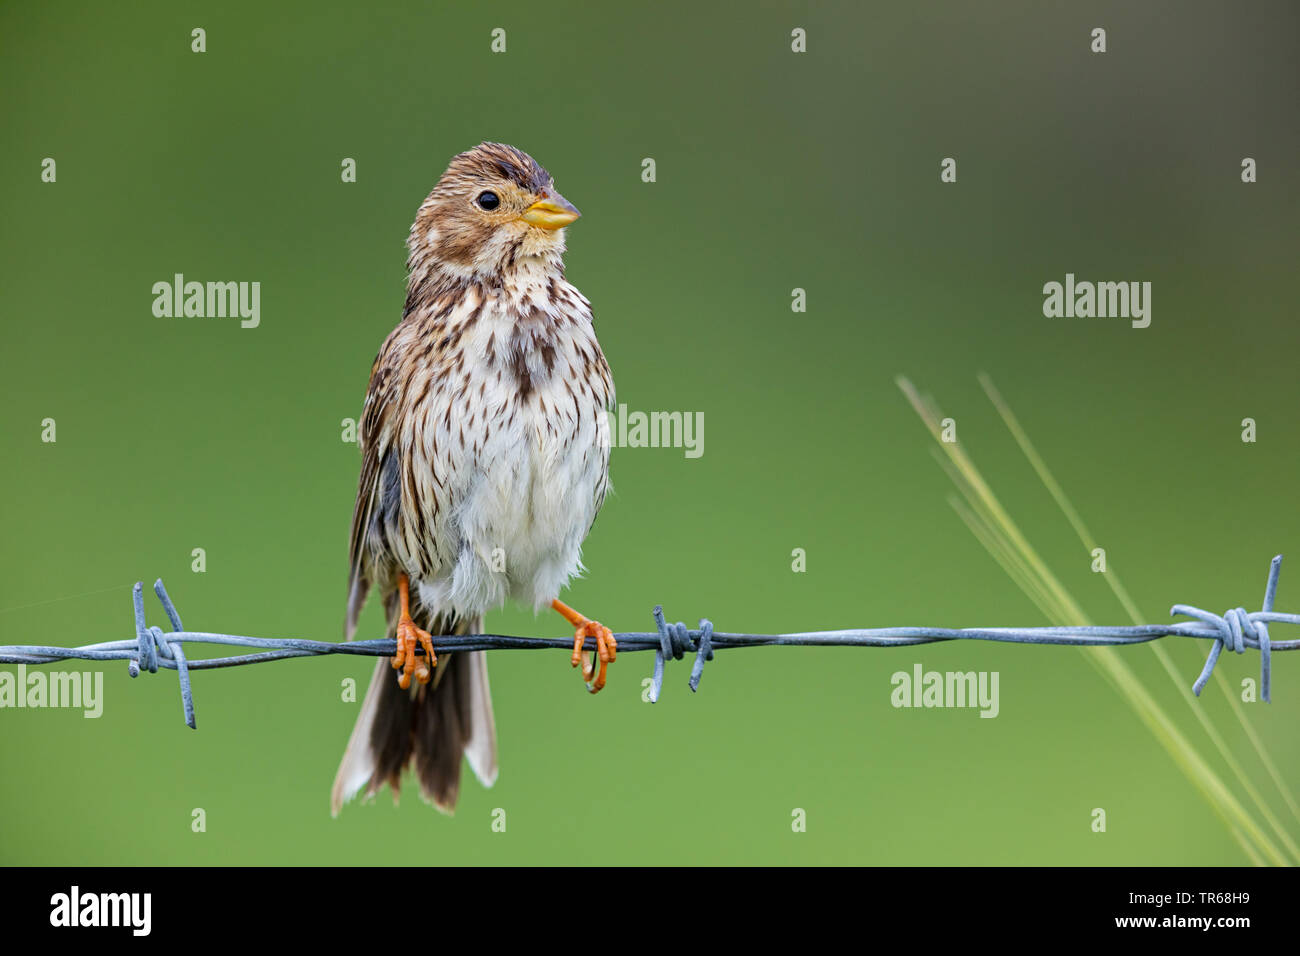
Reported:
(153, 647)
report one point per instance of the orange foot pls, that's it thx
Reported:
(408, 637)
(606, 646)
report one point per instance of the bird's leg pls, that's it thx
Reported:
(606, 646)
(408, 636)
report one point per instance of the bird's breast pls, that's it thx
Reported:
(508, 436)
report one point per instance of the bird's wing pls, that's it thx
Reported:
(374, 453)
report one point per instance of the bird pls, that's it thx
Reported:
(485, 454)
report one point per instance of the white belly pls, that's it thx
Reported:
(521, 489)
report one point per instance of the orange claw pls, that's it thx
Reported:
(606, 645)
(408, 636)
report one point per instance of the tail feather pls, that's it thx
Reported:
(481, 748)
(430, 727)
(358, 764)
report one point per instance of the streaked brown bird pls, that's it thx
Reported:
(484, 460)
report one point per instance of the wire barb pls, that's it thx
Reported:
(675, 640)
(1236, 626)
(153, 648)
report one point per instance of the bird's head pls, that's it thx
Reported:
(493, 209)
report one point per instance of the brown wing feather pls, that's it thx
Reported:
(374, 419)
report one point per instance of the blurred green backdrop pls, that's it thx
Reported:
(775, 170)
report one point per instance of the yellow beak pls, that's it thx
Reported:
(553, 212)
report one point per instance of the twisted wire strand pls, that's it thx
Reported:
(153, 648)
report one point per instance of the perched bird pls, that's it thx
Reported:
(485, 458)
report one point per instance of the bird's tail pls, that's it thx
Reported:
(428, 726)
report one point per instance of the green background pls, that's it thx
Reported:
(775, 171)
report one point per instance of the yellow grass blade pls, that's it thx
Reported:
(1130, 607)
(1006, 536)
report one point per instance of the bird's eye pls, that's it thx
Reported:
(488, 200)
